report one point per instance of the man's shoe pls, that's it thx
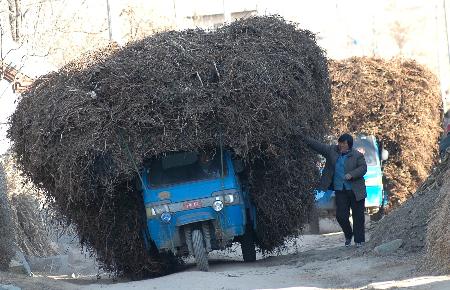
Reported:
(360, 245)
(348, 242)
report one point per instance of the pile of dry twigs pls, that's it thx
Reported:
(78, 132)
(399, 102)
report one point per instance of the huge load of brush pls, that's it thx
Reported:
(79, 133)
(413, 220)
(21, 224)
(422, 221)
(399, 102)
(437, 247)
(28, 217)
(7, 244)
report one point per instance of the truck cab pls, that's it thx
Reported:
(195, 203)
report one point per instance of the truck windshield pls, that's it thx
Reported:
(365, 146)
(181, 167)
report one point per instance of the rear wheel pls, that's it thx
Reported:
(200, 254)
(378, 215)
(248, 245)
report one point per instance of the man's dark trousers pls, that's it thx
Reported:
(345, 199)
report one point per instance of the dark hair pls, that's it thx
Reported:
(348, 138)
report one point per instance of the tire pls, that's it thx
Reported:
(200, 254)
(377, 216)
(248, 246)
(314, 227)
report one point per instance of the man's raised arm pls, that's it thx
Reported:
(321, 148)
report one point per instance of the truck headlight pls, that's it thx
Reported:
(228, 198)
(217, 205)
(154, 211)
(150, 212)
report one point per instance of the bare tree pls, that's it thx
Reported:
(15, 18)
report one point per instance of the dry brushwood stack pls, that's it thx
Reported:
(410, 221)
(422, 221)
(399, 102)
(437, 244)
(6, 226)
(77, 133)
(27, 214)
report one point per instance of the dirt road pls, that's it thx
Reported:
(309, 262)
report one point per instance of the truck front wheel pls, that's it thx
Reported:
(200, 254)
(248, 245)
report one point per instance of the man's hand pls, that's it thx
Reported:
(348, 176)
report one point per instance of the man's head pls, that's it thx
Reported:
(345, 143)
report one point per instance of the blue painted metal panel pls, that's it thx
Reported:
(194, 216)
(374, 196)
(231, 219)
(192, 190)
(325, 199)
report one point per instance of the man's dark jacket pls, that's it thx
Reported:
(355, 165)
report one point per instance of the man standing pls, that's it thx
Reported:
(344, 173)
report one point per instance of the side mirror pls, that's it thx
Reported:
(384, 154)
(238, 165)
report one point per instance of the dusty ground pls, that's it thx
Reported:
(310, 262)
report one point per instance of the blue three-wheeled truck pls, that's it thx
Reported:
(195, 203)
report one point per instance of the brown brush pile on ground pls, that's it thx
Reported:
(27, 213)
(250, 82)
(399, 102)
(411, 221)
(6, 226)
(438, 231)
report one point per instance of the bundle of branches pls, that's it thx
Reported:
(6, 226)
(399, 102)
(411, 221)
(28, 217)
(438, 232)
(78, 133)
(422, 221)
